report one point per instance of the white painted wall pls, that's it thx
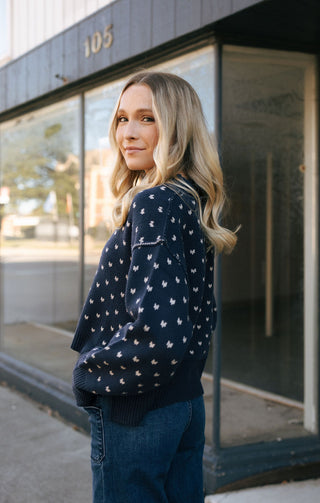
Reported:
(31, 22)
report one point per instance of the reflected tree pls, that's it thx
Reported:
(36, 159)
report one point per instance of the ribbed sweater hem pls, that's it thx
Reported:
(130, 410)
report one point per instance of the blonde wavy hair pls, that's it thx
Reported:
(185, 147)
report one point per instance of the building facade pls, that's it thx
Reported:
(24, 24)
(257, 77)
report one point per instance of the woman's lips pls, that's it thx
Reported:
(132, 150)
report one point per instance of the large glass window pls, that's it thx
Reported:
(40, 235)
(99, 105)
(269, 332)
(265, 131)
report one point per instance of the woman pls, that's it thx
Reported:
(144, 332)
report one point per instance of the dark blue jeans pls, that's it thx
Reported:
(159, 461)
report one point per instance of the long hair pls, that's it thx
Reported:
(185, 147)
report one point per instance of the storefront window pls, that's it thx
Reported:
(264, 136)
(40, 236)
(265, 133)
(99, 105)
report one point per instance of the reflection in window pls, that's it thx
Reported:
(98, 162)
(263, 292)
(40, 233)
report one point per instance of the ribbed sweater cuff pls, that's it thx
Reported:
(83, 398)
(78, 341)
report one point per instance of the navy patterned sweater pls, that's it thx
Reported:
(145, 328)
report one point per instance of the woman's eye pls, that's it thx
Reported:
(121, 119)
(148, 119)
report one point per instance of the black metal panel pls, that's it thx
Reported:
(44, 75)
(82, 203)
(244, 4)
(212, 11)
(3, 88)
(11, 90)
(290, 23)
(120, 18)
(21, 83)
(71, 54)
(163, 21)
(216, 352)
(318, 143)
(188, 16)
(102, 58)
(57, 58)
(86, 38)
(33, 84)
(140, 27)
(265, 462)
(94, 37)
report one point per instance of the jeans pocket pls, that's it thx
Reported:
(97, 434)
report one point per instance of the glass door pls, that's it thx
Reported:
(269, 165)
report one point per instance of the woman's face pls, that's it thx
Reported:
(137, 132)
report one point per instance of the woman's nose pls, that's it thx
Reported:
(131, 130)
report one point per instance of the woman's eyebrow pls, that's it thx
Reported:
(139, 110)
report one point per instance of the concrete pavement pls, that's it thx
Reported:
(44, 460)
(293, 492)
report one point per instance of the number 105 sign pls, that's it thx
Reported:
(93, 44)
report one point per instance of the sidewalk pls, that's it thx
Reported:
(293, 492)
(44, 460)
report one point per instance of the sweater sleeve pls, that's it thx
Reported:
(145, 353)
